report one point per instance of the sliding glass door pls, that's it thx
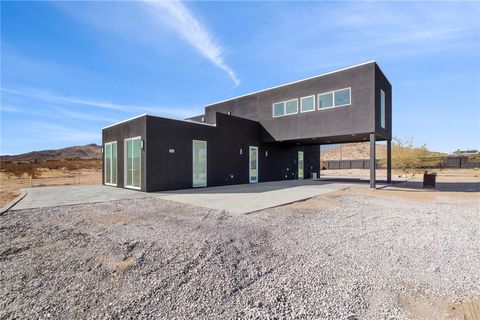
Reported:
(133, 152)
(110, 163)
(300, 164)
(253, 164)
(199, 149)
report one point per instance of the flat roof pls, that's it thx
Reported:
(293, 82)
(151, 115)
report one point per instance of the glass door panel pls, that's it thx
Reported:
(110, 163)
(300, 164)
(199, 163)
(136, 152)
(253, 164)
(114, 163)
(129, 153)
(133, 158)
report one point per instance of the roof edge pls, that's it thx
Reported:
(129, 119)
(293, 82)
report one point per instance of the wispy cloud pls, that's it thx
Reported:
(393, 31)
(60, 99)
(183, 21)
(47, 132)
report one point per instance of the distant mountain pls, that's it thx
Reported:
(353, 151)
(89, 151)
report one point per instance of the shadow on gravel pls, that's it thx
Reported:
(441, 186)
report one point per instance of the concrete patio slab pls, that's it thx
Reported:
(41, 197)
(247, 198)
(243, 198)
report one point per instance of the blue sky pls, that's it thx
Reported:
(70, 68)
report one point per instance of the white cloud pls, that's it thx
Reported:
(345, 33)
(47, 132)
(60, 99)
(183, 21)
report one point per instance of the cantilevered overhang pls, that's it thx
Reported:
(364, 137)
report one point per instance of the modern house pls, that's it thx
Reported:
(269, 135)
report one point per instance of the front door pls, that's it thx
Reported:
(199, 163)
(253, 164)
(110, 163)
(300, 164)
(133, 157)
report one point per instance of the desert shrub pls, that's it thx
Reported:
(32, 171)
(52, 164)
(406, 156)
(19, 169)
(70, 165)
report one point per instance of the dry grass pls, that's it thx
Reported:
(49, 173)
(474, 172)
(422, 307)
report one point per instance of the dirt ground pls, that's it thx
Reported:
(10, 185)
(351, 254)
(416, 173)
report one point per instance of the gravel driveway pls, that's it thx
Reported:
(340, 256)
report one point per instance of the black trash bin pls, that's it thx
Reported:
(429, 179)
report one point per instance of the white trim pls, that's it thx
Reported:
(322, 94)
(273, 109)
(314, 105)
(145, 114)
(206, 159)
(333, 98)
(125, 157)
(296, 112)
(284, 108)
(133, 118)
(349, 97)
(293, 82)
(111, 163)
(298, 165)
(250, 148)
(382, 109)
(195, 122)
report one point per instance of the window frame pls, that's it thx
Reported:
(383, 102)
(325, 93)
(301, 103)
(206, 163)
(125, 164)
(284, 108)
(349, 97)
(296, 110)
(273, 109)
(333, 98)
(111, 143)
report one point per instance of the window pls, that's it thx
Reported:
(279, 109)
(325, 100)
(342, 97)
(133, 148)
(291, 106)
(382, 109)
(110, 163)
(199, 151)
(285, 108)
(307, 104)
(337, 98)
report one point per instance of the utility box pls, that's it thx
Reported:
(429, 180)
(314, 175)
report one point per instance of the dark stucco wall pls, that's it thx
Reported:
(357, 118)
(382, 83)
(225, 164)
(174, 170)
(128, 129)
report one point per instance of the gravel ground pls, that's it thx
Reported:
(339, 256)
